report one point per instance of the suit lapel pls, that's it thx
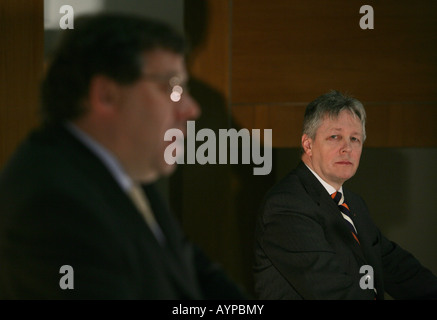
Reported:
(319, 194)
(343, 228)
(179, 256)
(372, 256)
(111, 192)
(175, 262)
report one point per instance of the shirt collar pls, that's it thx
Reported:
(107, 157)
(326, 185)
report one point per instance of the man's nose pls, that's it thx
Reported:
(188, 108)
(347, 146)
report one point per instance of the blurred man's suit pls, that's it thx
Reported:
(67, 199)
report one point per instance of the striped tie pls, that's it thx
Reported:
(344, 209)
(347, 215)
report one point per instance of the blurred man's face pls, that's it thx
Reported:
(147, 112)
(334, 154)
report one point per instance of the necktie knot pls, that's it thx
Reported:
(336, 196)
(339, 200)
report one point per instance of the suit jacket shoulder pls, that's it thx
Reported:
(303, 248)
(59, 205)
(66, 208)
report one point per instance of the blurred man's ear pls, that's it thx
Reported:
(104, 95)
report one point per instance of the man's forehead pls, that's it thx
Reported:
(357, 130)
(334, 123)
(164, 60)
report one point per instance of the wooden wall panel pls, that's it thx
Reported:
(21, 65)
(224, 227)
(213, 227)
(290, 51)
(401, 125)
(286, 53)
(209, 59)
(285, 121)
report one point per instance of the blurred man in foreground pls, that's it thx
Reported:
(77, 197)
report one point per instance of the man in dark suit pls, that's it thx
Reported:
(314, 238)
(79, 214)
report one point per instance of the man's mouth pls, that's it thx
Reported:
(344, 162)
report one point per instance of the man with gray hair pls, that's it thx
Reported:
(314, 238)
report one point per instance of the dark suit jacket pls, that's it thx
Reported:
(304, 249)
(59, 205)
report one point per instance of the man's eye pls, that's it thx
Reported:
(355, 139)
(334, 137)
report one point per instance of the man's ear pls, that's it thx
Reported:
(104, 95)
(307, 144)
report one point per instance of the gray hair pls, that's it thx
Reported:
(331, 104)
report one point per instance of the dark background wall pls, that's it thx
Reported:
(256, 64)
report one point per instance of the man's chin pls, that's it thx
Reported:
(346, 176)
(169, 169)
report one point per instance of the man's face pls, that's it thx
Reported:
(147, 112)
(334, 154)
